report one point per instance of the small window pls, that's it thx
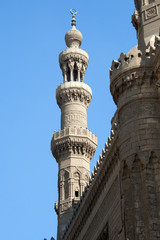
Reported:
(76, 193)
(75, 75)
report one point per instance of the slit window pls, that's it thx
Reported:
(76, 193)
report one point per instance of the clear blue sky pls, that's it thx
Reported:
(32, 36)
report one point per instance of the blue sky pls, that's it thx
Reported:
(32, 36)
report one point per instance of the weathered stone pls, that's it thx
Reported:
(121, 198)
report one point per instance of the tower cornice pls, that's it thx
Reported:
(74, 54)
(73, 92)
(73, 141)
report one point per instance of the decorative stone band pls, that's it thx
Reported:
(136, 19)
(134, 77)
(73, 53)
(76, 141)
(73, 91)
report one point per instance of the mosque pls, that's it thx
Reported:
(120, 199)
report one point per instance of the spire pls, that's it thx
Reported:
(73, 60)
(73, 12)
(73, 37)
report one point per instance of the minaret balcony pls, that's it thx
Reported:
(75, 53)
(73, 141)
(73, 92)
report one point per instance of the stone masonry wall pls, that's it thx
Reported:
(107, 211)
(139, 140)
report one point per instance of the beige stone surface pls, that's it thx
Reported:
(121, 198)
(73, 145)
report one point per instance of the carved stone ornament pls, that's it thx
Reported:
(135, 19)
(76, 117)
(74, 54)
(151, 12)
(73, 94)
(73, 145)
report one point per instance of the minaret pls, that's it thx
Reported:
(146, 20)
(73, 145)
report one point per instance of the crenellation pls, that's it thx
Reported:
(112, 134)
(109, 141)
(135, 59)
(73, 131)
(125, 62)
(106, 146)
(98, 164)
(103, 152)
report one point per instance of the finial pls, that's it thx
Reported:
(73, 12)
(73, 37)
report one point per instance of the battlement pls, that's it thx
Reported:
(125, 62)
(78, 132)
(135, 60)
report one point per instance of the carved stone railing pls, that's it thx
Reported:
(73, 140)
(80, 132)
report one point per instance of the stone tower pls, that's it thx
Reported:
(73, 145)
(135, 89)
(146, 20)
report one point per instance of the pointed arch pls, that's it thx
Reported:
(153, 194)
(137, 191)
(128, 202)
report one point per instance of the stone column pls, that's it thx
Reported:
(71, 66)
(82, 73)
(64, 68)
(79, 66)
